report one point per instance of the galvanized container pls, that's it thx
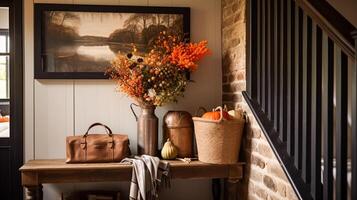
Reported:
(147, 128)
(178, 126)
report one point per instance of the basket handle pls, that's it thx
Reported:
(200, 109)
(221, 114)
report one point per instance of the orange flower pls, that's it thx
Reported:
(187, 55)
(159, 77)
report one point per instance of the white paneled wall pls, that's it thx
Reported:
(57, 108)
(100, 102)
(53, 117)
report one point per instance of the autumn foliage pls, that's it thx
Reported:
(187, 55)
(160, 76)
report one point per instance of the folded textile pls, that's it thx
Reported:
(147, 175)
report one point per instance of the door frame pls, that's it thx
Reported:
(16, 93)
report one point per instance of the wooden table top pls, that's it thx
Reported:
(36, 172)
(60, 164)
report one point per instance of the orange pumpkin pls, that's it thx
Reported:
(216, 115)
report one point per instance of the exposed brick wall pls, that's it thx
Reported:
(264, 177)
(233, 50)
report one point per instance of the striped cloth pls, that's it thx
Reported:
(148, 174)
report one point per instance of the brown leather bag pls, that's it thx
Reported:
(97, 147)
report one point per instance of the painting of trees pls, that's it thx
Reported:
(143, 28)
(92, 39)
(61, 27)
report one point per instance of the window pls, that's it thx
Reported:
(4, 64)
(4, 54)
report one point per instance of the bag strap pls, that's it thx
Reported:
(107, 129)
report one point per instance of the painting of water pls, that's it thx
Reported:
(85, 39)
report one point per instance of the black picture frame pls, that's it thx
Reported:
(39, 9)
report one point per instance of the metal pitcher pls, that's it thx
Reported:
(147, 129)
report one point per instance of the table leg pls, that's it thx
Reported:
(34, 192)
(216, 189)
(231, 188)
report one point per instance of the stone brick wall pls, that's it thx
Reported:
(264, 177)
(233, 50)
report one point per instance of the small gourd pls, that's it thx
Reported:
(237, 113)
(169, 151)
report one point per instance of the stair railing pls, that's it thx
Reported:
(301, 80)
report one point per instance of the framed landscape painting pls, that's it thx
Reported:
(79, 41)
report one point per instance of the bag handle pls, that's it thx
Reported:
(107, 129)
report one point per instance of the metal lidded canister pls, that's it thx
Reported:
(178, 126)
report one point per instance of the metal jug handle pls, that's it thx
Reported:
(132, 110)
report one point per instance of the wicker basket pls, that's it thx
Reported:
(218, 141)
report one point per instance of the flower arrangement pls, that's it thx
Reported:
(160, 76)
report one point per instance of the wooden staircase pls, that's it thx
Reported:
(302, 88)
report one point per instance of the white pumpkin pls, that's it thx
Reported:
(169, 151)
(237, 114)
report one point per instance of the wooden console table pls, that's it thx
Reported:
(37, 172)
